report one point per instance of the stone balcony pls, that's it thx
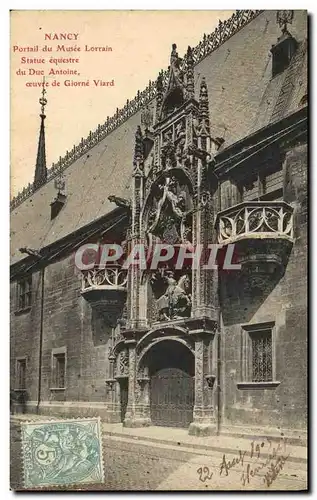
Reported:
(105, 288)
(262, 232)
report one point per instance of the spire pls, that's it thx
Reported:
(204, 108)
(138, 152)
(40, 169)
(159, 95)
(190, 74)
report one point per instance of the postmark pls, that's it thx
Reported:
(63, 452)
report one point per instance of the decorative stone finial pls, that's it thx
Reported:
(283, 18)
(138, 152)
(190, 74)
(43, 100)
(204, 106)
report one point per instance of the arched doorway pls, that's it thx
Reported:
(171, 369)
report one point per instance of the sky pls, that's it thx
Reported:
(141, 44)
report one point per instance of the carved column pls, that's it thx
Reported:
(130, 411)
(143, 393)
(134, 272)
(205, 281)
(134, 417)
(112, 388)
(204, 422)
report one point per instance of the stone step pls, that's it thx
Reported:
(179, 439)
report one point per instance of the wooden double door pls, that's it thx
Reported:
(171, 369)
(172, 397)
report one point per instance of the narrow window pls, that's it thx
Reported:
(24, 293)
(258, 354)
(59, 366)
(21, 374)
(261, 346)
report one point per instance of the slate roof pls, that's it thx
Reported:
(242, 99)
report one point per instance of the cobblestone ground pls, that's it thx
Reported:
(133, 466)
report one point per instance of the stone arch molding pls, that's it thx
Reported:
(154, 337)
(118, 347)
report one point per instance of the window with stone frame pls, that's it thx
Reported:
(58, 368)
(24, 293)
(21, 373)
(261, 356)
(258, 353)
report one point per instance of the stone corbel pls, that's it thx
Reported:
(210, 379)
(142, 381)
(110, 383)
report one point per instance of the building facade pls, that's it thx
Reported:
(215, 152)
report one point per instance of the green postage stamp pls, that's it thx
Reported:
(64, 452)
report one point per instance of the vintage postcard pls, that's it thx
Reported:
(158, 250)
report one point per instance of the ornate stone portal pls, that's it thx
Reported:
(168, 309)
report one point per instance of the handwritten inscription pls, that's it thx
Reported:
(226, 465)
(274, 463)
(271, 475)
(204, 473)
(274, 470)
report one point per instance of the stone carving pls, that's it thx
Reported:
(283, 18)
(274, 217)
(120, 202)
(147, 117)
(175, 303)
(123, 362)
(168, 158)
(112, 277)
(180, 140)
(168, 216)
(175, 61)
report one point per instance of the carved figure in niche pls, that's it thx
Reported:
(177, 202)
(168, 150)
(180, 130)
(167, 137)
(180, 140)
(175, 303)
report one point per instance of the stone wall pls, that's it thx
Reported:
(68, 322)
(283, 301)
